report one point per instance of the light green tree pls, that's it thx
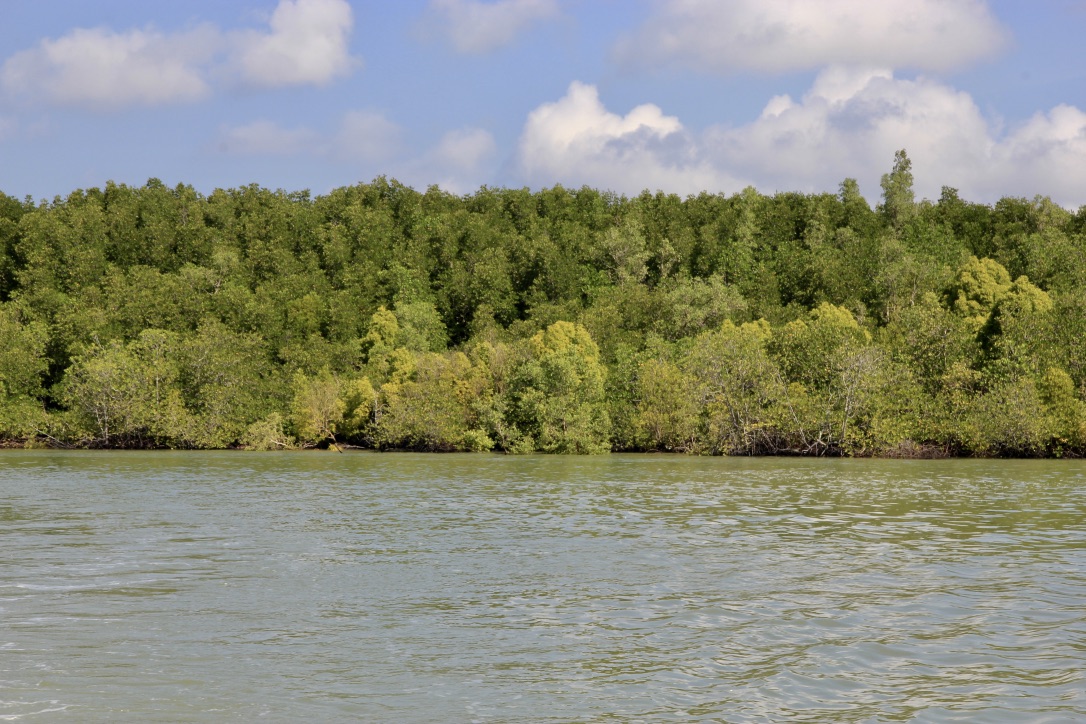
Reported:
(129, 395)
(738, 386)
(558, 397)
(317, 408)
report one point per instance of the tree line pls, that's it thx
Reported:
(562, 320)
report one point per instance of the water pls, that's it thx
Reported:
(321, 587)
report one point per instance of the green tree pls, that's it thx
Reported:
(898, 199)
(667, 412)
(432, 408)
(317, 408)
(226, 384)
(930, 341)
(22, 353)
(22, 367)
(129, 395)
(558, 397)
(738, 386)
(978, 286)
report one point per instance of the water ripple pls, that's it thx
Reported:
(210, 587)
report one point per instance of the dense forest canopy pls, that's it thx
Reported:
(559, 320)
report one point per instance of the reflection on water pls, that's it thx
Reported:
(212, 586)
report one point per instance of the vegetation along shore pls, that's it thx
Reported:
(564, 321)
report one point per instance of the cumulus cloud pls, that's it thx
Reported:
(1045, 155)
(474, 27)
(577, 141)
(848, 124)
(266, 138)
(788, 35)
(100, 69)
(307, 44)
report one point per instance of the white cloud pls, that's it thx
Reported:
(787, 35)
(361, 136)
(307, 44)
(577, 141)
(460, 162)
(265, 138)
(100, 69)
(366, 136)
(465, 148)
(1046, 155)
(475, 27)
(847, 125)
(850, 123)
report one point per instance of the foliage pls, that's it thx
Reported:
(316, 410)
(560, 320)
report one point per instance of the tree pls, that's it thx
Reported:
(737, 385)
(692, 306)
(22, 367)
(431, 409)
(558, 392)
(930, 340)
(128, 395)
(898, 200)
(978, 286)
(225, 382)
(667, 411)
(22, 353)
(836, 378)
(317, 408)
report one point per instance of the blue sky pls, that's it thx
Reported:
(678, 95)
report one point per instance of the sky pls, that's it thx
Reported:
(681, 96)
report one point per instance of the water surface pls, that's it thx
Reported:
(321, 587)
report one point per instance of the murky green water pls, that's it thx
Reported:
(321, 587)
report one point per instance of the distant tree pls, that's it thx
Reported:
(317, 408)
(558, 392)
(898, 199)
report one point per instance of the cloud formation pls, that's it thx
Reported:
(473, 27)
(577, 141)
(307, 44)
(367, 140)
(848, 124)
(100, 69)
(266, 138)
(361, 136)
(465, 148)
(790, 35)
(365, 135)
(1048, 154)
(460, 162)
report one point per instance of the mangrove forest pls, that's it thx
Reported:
(559, 320)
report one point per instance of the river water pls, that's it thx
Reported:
(163, 587)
